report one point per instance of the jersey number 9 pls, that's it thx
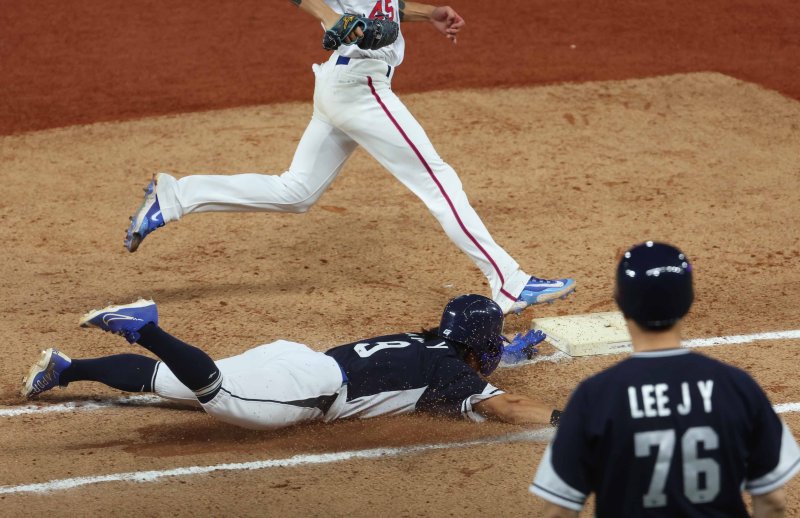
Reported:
(366, 349)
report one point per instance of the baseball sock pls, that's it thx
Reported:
(191, 366)
(128, 372)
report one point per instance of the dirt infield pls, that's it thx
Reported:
(565, 176)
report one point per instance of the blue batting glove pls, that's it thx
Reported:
(523, 346)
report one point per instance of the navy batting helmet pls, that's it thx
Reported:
(476, 322)
(654, 285)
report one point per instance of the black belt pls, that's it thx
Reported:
(324, 403)
(344, 60)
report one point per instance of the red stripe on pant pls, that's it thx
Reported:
(441, 189)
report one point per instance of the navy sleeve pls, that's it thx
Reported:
(453, 388)
(773, 455)
(765, 440)
(571, 448)
(563, 476)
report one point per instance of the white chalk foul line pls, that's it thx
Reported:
(794, 334)
(80, 405)
(540, 435)
(784, 408)
(560, 356)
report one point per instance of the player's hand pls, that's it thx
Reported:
(354, 36)
(447, 21)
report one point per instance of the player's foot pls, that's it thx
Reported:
(146, 219)
(45, 373)
(125, 320)
(542, 290)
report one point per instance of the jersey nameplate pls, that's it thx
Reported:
(651, 400)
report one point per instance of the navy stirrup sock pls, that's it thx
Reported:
(191, 366)
(128, 372)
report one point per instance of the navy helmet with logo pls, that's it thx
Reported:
(654, 285)
(476, 322)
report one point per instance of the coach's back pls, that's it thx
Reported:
(671, 433)
(666, 432)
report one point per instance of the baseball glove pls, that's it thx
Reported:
(378, 32)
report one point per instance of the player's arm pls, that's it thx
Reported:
(770, 505)
(327, 16)
(444, 18)
(515, 409)
(552, 510)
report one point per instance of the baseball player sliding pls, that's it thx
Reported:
(284, 383)
(354, 106)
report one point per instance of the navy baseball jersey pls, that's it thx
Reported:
(408, 372)
(667, 433)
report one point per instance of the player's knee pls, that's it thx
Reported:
(302, 206)
(299, 197)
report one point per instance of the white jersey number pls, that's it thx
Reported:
(693, 466)
(365, 350)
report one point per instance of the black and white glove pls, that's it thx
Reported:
(377, 32)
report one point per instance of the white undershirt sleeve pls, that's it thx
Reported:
(467, 406)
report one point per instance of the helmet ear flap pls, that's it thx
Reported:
(490, 358)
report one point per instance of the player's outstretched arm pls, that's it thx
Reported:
(444, 18)
(515, 409)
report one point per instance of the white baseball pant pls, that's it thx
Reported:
(271, 386)
(354, 105)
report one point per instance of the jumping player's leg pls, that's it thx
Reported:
(400, 144)
(320, 155)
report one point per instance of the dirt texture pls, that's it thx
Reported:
(677, 122)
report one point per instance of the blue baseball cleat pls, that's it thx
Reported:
(125, 320)
(146, 219)
(539, 290)
(45, 373)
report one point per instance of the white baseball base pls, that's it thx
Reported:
(588, 334)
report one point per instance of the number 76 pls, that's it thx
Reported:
(692, 465)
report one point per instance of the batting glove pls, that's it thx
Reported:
(523, 346)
